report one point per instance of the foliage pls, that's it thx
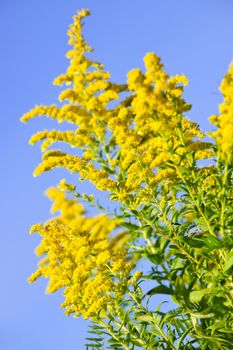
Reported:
(173, 195)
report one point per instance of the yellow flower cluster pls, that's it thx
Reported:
(224, 121)
(132, 139)
(150, 129)
(78, 256)
(88, 97)
(53, 136)
(58, 159)
(69, 113)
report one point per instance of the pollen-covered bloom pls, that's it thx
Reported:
(79, 257)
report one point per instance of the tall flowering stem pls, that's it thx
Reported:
(172, 191)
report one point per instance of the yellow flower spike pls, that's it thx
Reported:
(88, 97)
(90, 76)
(35, 276)
(94, 87)
(102, 258)
(37, 228)
(224, 121)
(50, 111)
(63, 185)
(108, 96)
(63, 78)
(53, 136)
(178, 79)
(69, 208)
(152, 61)
(135, 77)
(136, 277)
(83, 13)
(118, 265)
(77, 255)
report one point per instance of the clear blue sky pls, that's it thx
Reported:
(193, 38)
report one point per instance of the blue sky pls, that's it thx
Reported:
(192, 37)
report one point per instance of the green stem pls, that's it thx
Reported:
(121, 326)
(223, 202)
(182, 250)
(190, 190)
(195, 202)
(153, 321)
(103, 324)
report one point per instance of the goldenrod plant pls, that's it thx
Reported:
(171, 187)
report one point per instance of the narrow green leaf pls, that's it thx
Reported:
(193, 242)
(160, 290)
(229, 261)
(196, 295)
(179, 344)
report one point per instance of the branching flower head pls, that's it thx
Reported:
(125, 147)
(79, 257)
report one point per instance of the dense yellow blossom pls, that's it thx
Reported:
(129, 141)
(70, 113)
(89, 87)
(88, 96)
(224, 121)
(58, 159)
(78, 255)
(151, 130)
(53, 136)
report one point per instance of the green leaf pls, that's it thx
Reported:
(196, 295)
(179, 344)
(130, 226)
(94, 346)
(95, 339)
(143, 317)
(212, 242)
(193, 242)
(229, 261)
(160, 290)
